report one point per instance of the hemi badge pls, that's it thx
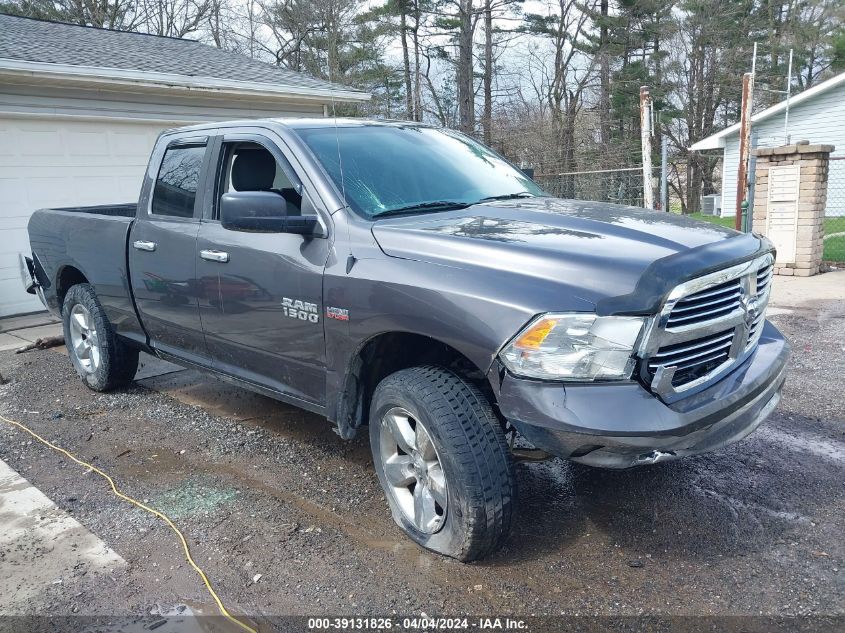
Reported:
(339, 314)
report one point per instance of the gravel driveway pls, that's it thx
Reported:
(287, 518)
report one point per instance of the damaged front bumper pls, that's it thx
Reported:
(619, 425)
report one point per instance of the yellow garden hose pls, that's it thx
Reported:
(153, 511)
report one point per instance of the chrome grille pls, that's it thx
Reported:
(707, 326)
(694, 356)
(763, 284)
(764, 278)
(706, 305)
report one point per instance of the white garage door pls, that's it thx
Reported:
(60, 163)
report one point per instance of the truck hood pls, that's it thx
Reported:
(599, 250)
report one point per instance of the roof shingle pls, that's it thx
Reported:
(32, 40)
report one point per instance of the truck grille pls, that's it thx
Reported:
(707, 326)
(764, 280)
(693, 358)
(706, 305)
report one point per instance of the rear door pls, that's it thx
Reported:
(162, 249)
(261, 306)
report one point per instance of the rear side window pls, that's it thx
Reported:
(178, 178)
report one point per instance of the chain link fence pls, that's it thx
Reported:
(625, 186)
(834, 221)
(620, 186)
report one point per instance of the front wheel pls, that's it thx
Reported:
(442, 459)
(100, 358)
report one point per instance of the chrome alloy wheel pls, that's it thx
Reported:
(83, 338)
(413, 471)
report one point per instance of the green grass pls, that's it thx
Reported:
(834, 248)
(728, 222)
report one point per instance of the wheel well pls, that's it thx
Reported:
(68, 276)
(386, 354)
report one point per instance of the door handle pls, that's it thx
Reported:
(215, 256)
(144, 246)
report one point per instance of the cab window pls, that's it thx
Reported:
(251, 167)
(175, 189)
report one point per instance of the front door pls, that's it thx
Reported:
(162, 252)
(261, 293)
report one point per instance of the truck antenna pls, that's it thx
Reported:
(350, 259)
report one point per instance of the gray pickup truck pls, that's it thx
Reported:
(409, 279)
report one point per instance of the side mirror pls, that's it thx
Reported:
(263, 212)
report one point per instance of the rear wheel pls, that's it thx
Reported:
(443, 462)
(100, 358)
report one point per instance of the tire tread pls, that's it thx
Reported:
(477, 443)
(118, 361)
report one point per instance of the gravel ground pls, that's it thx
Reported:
(286, 518)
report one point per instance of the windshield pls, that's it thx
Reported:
(391, 170)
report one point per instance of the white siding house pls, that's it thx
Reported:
(80, 110)
(816, 115)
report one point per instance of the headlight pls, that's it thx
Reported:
(578, 347)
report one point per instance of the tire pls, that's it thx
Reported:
(469, 466)
(100, 358)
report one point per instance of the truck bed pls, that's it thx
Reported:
(89, 242)
(126, 210)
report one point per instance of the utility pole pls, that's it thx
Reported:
(664, 173)
(754, 61)
(744, 146)
(788, 94)
(645, 137)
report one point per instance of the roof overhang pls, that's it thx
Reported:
(718, 140)
(143, 81)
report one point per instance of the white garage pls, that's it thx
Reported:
(80, 109)
(49, 163)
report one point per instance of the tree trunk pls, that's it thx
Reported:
(333, 45)
(409, 97)
(214, 24)
(604, 71)
(567, 143)
(487, 116)
(417, 79)
(694, 183)
(466, 92)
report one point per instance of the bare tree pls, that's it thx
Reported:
(291, 23)
(173, 18)
(568, 74)
(109, 14)
(403, 9)
(703, 74)
(415, 38)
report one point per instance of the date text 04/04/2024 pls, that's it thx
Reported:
(418, 624)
